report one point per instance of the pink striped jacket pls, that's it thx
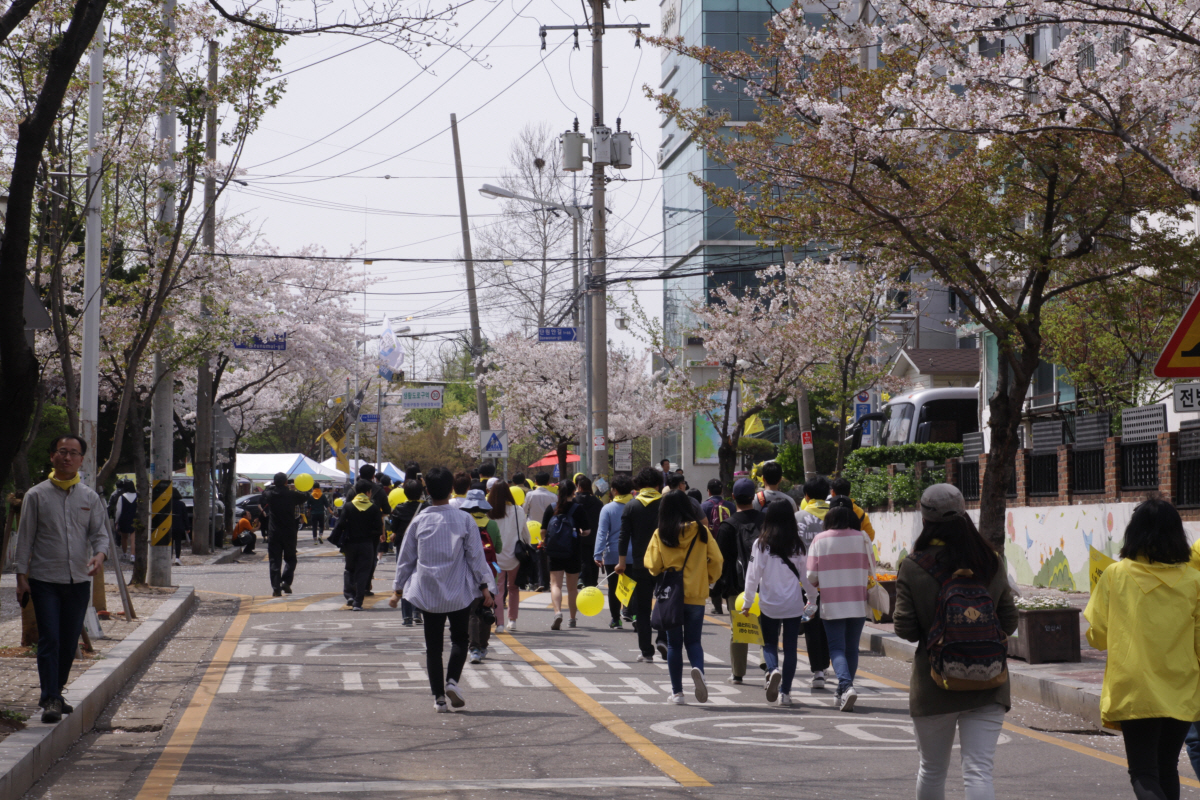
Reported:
(839, 564)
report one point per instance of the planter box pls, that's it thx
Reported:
(890, 586)
(1045, 635)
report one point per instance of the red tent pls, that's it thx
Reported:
(551, 459)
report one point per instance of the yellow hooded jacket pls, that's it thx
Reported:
(702, 569)
(1147, 615)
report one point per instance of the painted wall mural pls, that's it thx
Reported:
(1045, 546)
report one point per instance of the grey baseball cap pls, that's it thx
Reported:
(743, 487)
(941, 501)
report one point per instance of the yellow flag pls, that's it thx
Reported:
(1097, 563)
(745, 629)
(753, 425)
(535, 532)
(625, 585)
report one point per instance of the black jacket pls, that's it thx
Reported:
(360, 526)
(402, 517)
(638, 524)
(736, 536)
(280, 505)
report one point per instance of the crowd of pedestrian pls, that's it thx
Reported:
(803, 563)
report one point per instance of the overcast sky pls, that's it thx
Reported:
(311, 183)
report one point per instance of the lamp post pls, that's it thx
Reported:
(576, 213)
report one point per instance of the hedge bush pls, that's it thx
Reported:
(870, 489)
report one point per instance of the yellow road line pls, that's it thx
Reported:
(162, 777)
(658, 757)
(261, 605)
(224, 594)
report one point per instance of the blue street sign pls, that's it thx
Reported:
(558, 334)
(860, 411)
(277, 344)
(494, 445)
(368, 418)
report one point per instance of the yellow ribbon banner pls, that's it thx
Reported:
(625, 586)
(1097, 563)
(745, 629)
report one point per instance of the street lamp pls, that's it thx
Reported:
(576, 213)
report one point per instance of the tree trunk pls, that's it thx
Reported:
(561, 452)
(841, 448)
(727, 461)
(22, 480)
(1005, 420)
(18, 366)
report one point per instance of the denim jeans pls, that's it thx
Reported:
(843, 635)
(1152, 748)
(770, 633)
(978, 731)
(407, 610)
(684, 636)
(59, 608)
(1193, 747)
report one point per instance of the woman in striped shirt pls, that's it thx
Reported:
(840, 563)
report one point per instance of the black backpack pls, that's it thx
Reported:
(560, 535)
(128, 514)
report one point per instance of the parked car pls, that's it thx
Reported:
(251, 503)
(925, 415)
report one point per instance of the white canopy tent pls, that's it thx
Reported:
(263, 466)
(388, 468)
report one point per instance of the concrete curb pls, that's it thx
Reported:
(27, 755)
(225, 558)
(1028, 682)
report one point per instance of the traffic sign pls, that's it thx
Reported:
(493, 443)
(1187, 397)
(863, 397)
(599, 442)
(422, 396)
(558, 334)
(623, 457)
(806, 441)
(1181, 357)
(368, 418)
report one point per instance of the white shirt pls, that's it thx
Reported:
(537, 501)
(779, 594)
(511, 527)
(441, 564)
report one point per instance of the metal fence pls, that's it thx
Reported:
(968, 480)
(1189, 467)
(1091, 432)
(1043, 462)
(1140, 428)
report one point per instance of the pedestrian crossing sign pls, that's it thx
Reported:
(1181, 357)
(494, 443)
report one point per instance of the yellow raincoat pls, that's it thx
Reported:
(702, 570)
(1147, 615)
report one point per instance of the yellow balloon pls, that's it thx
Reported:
(740, 604)
(590, 601)
(304, 481)
(396, 497)
(535, 532)
(518, 495)
(339, 502)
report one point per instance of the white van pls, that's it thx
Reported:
(925, 415)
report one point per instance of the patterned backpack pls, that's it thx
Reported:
(968, 650)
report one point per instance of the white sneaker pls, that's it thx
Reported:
(677, 699)
(701, 687)
(773, 680)
(178, 563)
(475, 657)
(439, 705)
(645, 659)
(499, 629)
(483, 653)
(454, 694)
(818, 680)
(785, 699)
(845, 701)
(512, 625)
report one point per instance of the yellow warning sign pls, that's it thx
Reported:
(1181, 357)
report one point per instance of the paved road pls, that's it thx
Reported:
(299, 697)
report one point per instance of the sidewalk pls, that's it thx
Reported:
(1070, 687)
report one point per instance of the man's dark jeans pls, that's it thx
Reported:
(281, 550)
(435, 638)
(59, 608)
(643, 601)
(360, 560)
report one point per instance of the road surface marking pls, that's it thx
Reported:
(484, 785)
(617, 726)
(166, 769)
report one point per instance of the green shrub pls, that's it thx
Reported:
(870, 488)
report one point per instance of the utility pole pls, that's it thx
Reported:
(379, 430)
(476, 339)
(89, 376)
(162, 424)
(598, 323)
(202, 527)
(806, 436)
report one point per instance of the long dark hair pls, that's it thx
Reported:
(780, 535)
(566, 496)
(841, 518)
(1155, 531)
(965, 547)
(674, 511)
(500, 498)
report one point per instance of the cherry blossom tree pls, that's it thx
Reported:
(1009, 224)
